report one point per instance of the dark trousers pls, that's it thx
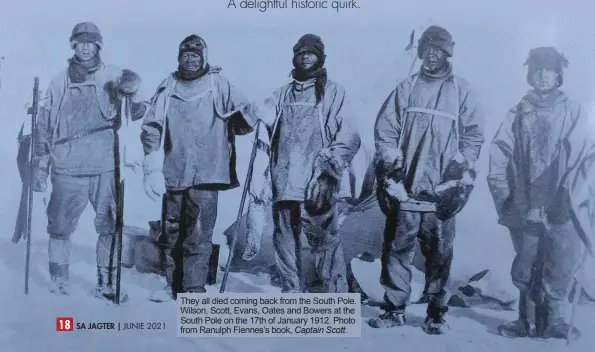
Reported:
(544, 268)
(436, 239)
(322, 234)
(189, 220)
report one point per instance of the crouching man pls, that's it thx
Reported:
(313, 140)
(541, 180)
(75, 135)
(428, 135)
(189, 143)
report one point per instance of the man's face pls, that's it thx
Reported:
(544, 80)
(85, 51)
(434, 58)
(191, 61)
(306, 60)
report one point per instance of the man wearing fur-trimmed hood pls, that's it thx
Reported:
(189, 144)
(428, 135)
(75, 137)
(541, 180)
(313, 140)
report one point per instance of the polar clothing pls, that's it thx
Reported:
(70, 196)
(290, 113)
(199, 114)
(539, 180)
(189, 220)
(75, 127)
(430, 140)
(329, 125)
(75, 136)
(428, 120)
(200, 136)
(436, 239)
(290, 221)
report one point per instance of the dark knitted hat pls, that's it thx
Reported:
(546, 58)
(310, 43)
(438, 37)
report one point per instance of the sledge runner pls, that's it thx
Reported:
(75, 138)
(191, 162)
(313, 140)
(539, 157)
(428, 135)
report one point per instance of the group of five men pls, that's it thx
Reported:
(428, 136)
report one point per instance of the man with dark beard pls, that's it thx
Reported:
(313, 138)
(189, 143)
(428, 136)
(75, 136)
(540, 159)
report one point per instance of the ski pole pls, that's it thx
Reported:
(34, 109)
(241, 210)
(120, 189)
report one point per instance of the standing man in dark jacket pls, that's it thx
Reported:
(189, 142)
(75, 135)
(314, 139)
(428, 134)
(541, 176)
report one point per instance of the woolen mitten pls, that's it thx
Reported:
(389, 169)
(128, 83)
(454, 191)
(154, 180)
(323, 185)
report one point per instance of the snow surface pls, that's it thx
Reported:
(365, 49)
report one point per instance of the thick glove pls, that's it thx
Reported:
(323, 185)
(455, 189)
(390, 191)
(396, 190)
(154, 180)
(128, 83)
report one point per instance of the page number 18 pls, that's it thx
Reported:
(64, 324)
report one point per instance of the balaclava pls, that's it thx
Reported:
(438, 37)
(546, 58)
(195, 44)
(313, 44)
(85, 32)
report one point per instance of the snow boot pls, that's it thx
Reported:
(551, 322)
(434, 324)
(59, 256)
(389, 319)
(524, 326)
(106, 286)
(59, 275)
(163, 295)
(562, 330)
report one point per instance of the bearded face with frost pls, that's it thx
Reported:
(190, 61)
(434, 59)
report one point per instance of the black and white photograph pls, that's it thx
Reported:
(434, 159)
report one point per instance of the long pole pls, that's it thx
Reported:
(34, 110)
(241, 210)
